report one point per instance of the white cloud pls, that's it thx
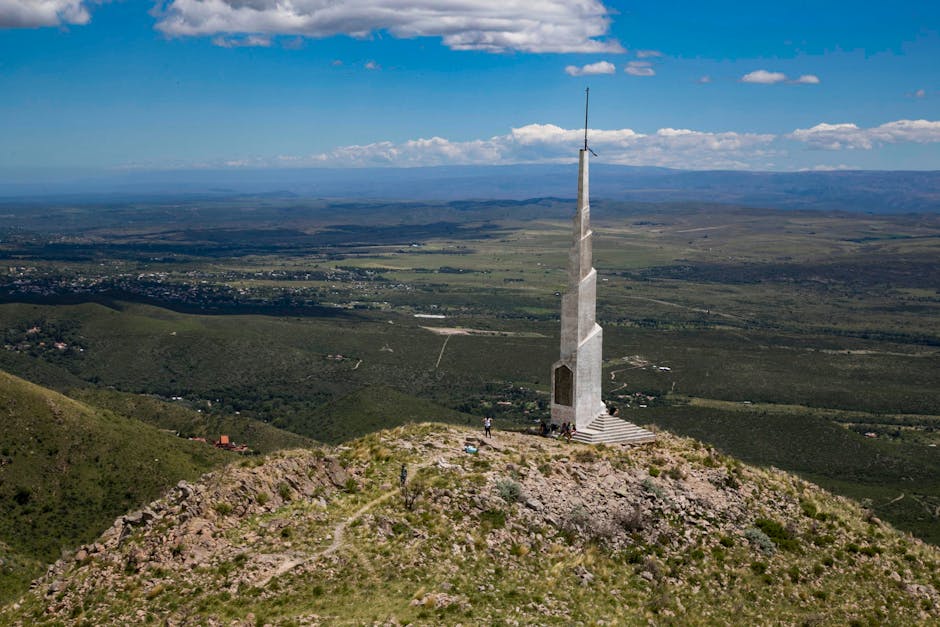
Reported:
(639, 68)
(920, 93)
(488, 25)
(36, 13)
(247, 41)
(646, 54)
(705, 79)
(601, 67)
(372, 65)
(826, 168)
(764, 77)
(851, 136)
(548, 143)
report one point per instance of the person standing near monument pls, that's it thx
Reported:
(487, 426)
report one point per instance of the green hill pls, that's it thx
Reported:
(374, 408)
(188, 422)
(68, 469)
(526, 531)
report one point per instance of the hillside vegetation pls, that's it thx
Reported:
(374, 408)
(188, 422)
(67, 469)
(527, 531)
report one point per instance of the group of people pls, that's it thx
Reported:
(565, 430)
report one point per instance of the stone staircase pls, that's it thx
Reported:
(610, 430)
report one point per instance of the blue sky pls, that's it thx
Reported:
(95, 84)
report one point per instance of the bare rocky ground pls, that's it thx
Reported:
(526, 531)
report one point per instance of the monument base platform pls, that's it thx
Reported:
(610, 430)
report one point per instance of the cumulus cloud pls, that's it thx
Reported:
(640, 68)
(850, 136)
(488, 25)
(601, 67)
(372, 65)
(548, 143)
(37, 13)
(764, 77)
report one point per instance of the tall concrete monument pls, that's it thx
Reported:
(576, 376)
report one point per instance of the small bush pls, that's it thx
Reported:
(629, 519)
(284, 491)
(794, 573)
(654, 471)
(585, 456)
(222, 508)
(652, 488)
(809, 509)
(261, 498)
(781, 536)
(493, 519)
(411, 493)
(509, 490)
(760, 539)
(726, 541)
(675, 473)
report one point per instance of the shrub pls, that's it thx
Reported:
(509, 490)
(675, 473)
(629, 519)
(761, 540)
(652, 488)
(654, 471)
(284, 491)
(411, 493)
(493, 519)
(584, 456)
(261, 498)
(223, 509)
(794, 573)
(781, 536)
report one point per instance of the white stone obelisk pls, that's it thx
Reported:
(576, 376)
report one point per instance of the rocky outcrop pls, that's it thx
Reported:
(526, 530)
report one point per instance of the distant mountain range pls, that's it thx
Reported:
(856, 191)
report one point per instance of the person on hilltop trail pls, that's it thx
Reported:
(487, 427)
(403, 476)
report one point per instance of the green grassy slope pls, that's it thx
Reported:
(67, 470)
(188, 422)
(378, 407)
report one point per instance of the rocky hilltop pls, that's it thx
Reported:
(524, 531)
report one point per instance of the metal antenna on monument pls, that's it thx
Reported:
(587, 97)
